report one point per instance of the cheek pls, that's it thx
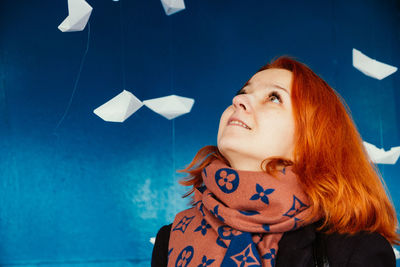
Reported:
(278, 126)
(274, 138)
(286, 132)
(223, 121)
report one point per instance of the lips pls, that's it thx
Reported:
(235, 121)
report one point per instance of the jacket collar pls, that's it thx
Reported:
(299, 238)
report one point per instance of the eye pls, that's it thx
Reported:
(275, 95)
(240, 92)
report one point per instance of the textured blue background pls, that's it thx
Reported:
(92, 193)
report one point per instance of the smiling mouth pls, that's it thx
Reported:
(239, 123)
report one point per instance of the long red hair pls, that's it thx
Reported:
(333, 167)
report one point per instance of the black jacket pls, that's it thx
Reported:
(296, 249)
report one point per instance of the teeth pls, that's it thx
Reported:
(239, 123)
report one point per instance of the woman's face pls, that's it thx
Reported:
(259, 123)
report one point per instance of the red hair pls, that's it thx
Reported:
(333, 167)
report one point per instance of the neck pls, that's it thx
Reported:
(243, 165)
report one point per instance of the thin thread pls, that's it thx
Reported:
(121, 14)
(372, 41)
(173, 148)
(335, 70)
(124, 260)
(171, 80)
(381, 137)
(76, 81)
(381, 130)
(171, 57)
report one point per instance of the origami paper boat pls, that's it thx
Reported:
(371, 67)
(78, 15)
(172, 6)
(119, 108)
(380, 156)
(171, 106)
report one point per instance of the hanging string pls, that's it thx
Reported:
(171, 60)
(173, 148)
(76, 81)
(121, 14)
(171, 57)
(334, 43)
(381, 139)
(378, 87)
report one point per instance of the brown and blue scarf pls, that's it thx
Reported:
(238, 218)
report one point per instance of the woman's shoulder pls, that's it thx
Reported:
(164, 231)
(160, 249)
(360, 249)
(162, 237)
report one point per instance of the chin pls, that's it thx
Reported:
(229, 151)
(224, 150)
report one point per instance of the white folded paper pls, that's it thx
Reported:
(371, 67)
(78, 15)
(380, 156)
(152, 240)
(171, 106)
(396, 253)
(119, 108)
(173, 6)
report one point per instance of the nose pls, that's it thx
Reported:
(242, 101)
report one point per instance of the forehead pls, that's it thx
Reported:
(280, 77)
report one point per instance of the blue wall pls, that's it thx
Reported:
(92, 193)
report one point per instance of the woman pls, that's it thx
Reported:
(289, 184)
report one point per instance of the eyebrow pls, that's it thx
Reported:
(241, 91)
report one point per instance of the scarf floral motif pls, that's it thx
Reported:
(238, 218)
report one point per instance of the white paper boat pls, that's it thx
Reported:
(78, 15)
(171, 106)
(172, 6)
(380, 156)
(371, 67)
(119, 108)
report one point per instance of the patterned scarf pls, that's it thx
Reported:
(238, 218)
